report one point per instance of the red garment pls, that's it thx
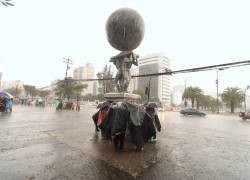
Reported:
(101, 116)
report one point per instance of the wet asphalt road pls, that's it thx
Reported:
(40, 143)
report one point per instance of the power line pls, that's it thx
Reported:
(170, 72)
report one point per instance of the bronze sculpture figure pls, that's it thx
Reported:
(125, 31)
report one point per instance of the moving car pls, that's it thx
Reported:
(191, 111)
(245, 115)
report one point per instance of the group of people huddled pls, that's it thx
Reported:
(6, 104)
(118, 121)
(68, 105)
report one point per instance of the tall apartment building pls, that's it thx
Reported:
(176, 96)
(133, 85)
(159, 85)
(86, 72)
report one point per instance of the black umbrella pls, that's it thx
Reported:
(151, 105)
(104, 104)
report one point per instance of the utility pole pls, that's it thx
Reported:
(149, 88)
(68, 63)
(245, 95)
(217, 87)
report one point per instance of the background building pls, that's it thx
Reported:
(176, 95)
(86, 72)
(160, 85)
(133, 85)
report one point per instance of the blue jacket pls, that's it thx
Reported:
(8, 104)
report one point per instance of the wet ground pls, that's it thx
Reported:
(40, 143)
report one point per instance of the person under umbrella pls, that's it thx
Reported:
(152, 112)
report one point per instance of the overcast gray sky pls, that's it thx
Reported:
(36, 35)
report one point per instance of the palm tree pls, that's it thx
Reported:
(199, 97)
(194, 94)
(233, 97)
(69, 88)
(208, 103)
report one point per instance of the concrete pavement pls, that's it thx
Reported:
(40, 143)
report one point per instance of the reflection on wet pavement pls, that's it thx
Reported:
(39, 143)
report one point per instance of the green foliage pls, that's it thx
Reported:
(194, 94)
(90, 97)
(69, 88)
(141, 92)
(232, 97)
(208, 103)
(30, 90)
(43, 93)
(14, 91)
(106, 85)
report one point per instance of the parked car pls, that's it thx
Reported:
(191, 111)
(161, 109)
(245, 115)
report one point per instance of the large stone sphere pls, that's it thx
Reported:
(125, 29)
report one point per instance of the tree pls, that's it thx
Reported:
(232, 97)
(43, 93)
(140, 92)
(89, 97)
(194, 94)
(69, 88)
(199, 97)
(106, 85)
(30, 90)
(15, 91)
(208, 103)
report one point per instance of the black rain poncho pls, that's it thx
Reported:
(131, 119)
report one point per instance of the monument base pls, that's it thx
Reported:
(120, 96)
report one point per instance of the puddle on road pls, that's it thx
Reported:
(129, 161)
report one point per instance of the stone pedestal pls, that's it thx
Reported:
(120, 96)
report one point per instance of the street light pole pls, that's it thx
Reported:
(149, 88)
(185, 101)
(217, 87)
(245, 102)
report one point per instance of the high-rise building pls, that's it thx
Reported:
(176, 96)
(159, 85)
(133, 85)
(86, 72)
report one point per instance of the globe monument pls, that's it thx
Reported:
(125, 31)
